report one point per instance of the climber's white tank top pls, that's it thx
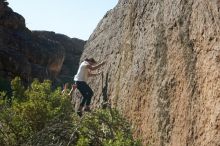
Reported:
(82, 73)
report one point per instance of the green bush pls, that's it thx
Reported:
(105, 127)
(17, 89)
(41, 116)
(98, 128)
(31, 110)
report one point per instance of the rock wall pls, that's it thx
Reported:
(32, 54)
(163, 69)
(73, 49)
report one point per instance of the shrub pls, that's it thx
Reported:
(31, 110)
(98, 128)
(41, 116)
(105, 127)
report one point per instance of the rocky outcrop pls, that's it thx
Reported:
(73, 49)
(163, 69)
(28, 54)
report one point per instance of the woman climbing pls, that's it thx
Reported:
(81, 78)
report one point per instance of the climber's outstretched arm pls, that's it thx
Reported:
(91, 67)
(94, 74)
(74, 86)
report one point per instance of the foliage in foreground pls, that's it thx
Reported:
(98, 128)
(41, 116)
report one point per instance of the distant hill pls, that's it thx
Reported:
(35, 54)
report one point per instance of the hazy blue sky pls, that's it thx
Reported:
(75, 18)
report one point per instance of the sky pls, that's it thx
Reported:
(74, 18)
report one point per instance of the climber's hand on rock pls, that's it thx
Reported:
(103, 62)
(99, 73)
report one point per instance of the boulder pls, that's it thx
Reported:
(162, 69)
(35, 54)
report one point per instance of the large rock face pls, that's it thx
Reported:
(73, 49)
(163, 69)
(42, 55)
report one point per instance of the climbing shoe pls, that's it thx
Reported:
(87, 109)
(79, 113)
